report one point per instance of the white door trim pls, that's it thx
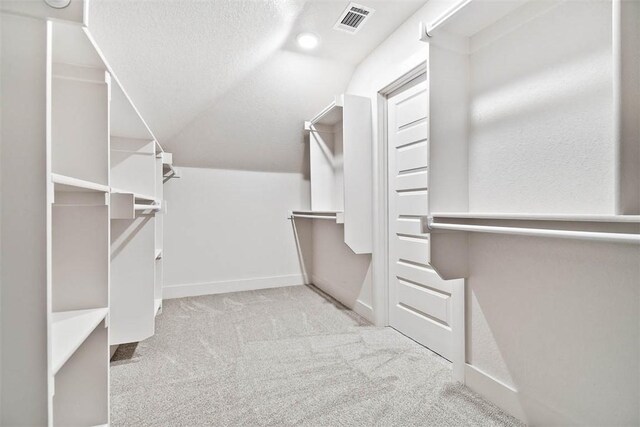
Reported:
(381, 221)
(381, 226)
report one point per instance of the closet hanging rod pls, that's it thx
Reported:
(294, 216)
(140, 207)
(540, 232)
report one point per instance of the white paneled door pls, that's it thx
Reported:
(420, 303)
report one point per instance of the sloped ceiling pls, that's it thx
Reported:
(222, 83)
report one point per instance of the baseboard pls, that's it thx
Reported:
(495, 391)
(363, 310)
(112, 350)
(223, 287)
(358, 306)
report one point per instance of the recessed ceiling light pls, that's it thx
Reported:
(308, 41)
(58, 4)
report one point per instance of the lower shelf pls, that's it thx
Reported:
(69, 329)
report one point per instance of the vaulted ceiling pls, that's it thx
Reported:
(223, 83)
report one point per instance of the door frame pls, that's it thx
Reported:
(380, 288)
(381, 225)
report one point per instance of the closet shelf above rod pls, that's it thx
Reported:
(67, 183)
(337, 216)
(597, 236)
(330, 115)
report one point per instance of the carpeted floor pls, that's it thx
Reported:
(281, 357)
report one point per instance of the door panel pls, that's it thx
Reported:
(410, 134)
(412, 156)
(410, 181)
(430, 303)
(412, 203)
(409, 226)
(420, 303)
(412, 249)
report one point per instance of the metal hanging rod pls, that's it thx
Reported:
(294, 216)
(540, 232)
(140, 207)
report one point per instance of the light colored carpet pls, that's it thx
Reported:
(281, 357)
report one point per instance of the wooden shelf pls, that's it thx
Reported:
(537, 217)
(67, 183)
(69, 329)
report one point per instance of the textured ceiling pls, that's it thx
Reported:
(222, 83)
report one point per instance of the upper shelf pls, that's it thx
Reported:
(67, 183)
(69, 330)
(468, 17)
(329, 116)
(538, 217)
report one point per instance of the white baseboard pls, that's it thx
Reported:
(358, 306)
(363, 310)
(495, 391)
(223, 287)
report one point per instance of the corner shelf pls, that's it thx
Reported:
(69, 329)
(338, 216)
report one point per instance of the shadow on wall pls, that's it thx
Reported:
(330, 264)
(303, 234)
(560, 320)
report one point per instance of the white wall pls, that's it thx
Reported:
(540, 134)
(556, 320)
(228, 230)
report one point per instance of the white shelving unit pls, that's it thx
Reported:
(340, 159)
(513, 167)
(89, 229)
(69, 329)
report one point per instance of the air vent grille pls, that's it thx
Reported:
(353, 18)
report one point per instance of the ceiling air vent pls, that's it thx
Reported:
(353, 18)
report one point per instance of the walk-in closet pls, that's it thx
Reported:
(320, 212)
